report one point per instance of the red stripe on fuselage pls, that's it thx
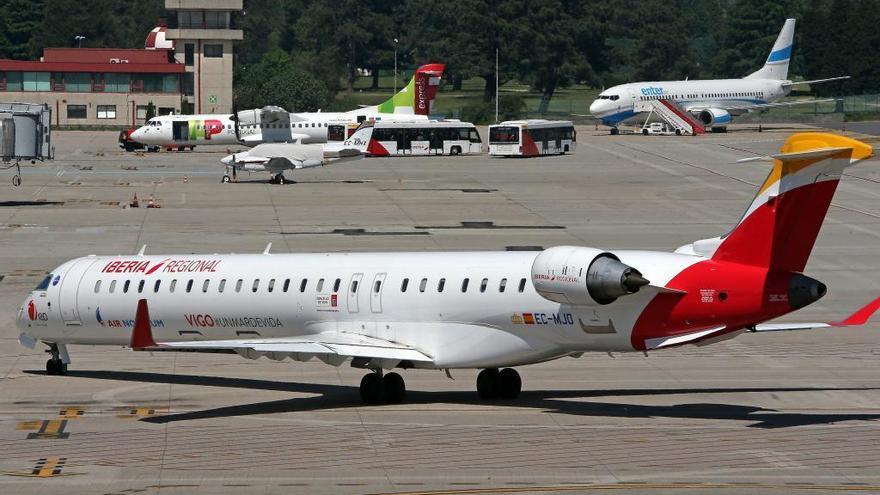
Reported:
(717, 293)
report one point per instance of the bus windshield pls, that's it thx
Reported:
(504, 135)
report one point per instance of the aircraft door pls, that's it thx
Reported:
(354, 288)
(180, 130)
(69, 292)
(336, 133)
(376, 292)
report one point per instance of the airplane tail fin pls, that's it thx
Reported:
(776, 66)
(780, 227)
(417, 97)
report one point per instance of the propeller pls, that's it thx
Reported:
(234, 118)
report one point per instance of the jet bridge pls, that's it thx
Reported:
(677, 118)
(25, 134)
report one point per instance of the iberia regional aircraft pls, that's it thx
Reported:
(275, 125)
(713, 102)
(444, 310)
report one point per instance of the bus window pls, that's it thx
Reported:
(474, 136)
(504, 135)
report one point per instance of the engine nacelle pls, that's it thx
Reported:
(583, 276)
(715, 117)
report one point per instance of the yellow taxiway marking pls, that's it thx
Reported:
(72, 412)
(139, 412)
(46, 467)
(28, 425)
(50, 428)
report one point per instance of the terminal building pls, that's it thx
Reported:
(185, 67)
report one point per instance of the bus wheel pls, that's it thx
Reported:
(565, 150)
(645, 132)
(615, 131)
(455, 150)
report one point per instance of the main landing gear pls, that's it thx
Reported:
(379, 389)
(55, 365)
(278, 179)
(495, 384)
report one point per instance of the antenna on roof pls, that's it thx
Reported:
(268, 247)
(143, 248)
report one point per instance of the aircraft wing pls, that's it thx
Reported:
(332, 347)
(858, 318)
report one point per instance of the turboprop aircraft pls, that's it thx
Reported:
(714, 101)
(445, 310)
(276, 125)
(276, 158)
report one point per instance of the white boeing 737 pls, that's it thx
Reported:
(714, 101)
(275, 125)
(445, 310)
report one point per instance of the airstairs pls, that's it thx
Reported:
(677, 118)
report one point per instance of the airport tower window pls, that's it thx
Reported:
(97, 286)
(213, 50)
(320, 285)
(205, 285)
(502, 285)
(354, 286)
(140, 286)
(522, 284)
(302, 285)
(423, 285)
(222, 286)
(125, 286)
(172, 286)
(484, 284)
(271, 285)
(404, 284)
(377, 286)
(112, 286)
(441, 284)
(256, 285)
(156, 285)
(238, 284)
(336, 285)
(286, 285)
(464, 285)
(189, 286)
(189, 54)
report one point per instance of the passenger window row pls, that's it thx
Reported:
(285, 286)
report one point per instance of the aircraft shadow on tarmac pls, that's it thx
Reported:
(339, 396)
(4, 204)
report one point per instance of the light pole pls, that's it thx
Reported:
(395, 65)
(79, 40)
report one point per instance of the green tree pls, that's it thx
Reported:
(22, 19)
(274, 80)
(151, 111)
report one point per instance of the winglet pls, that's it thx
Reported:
(142, 335)
(861, 316)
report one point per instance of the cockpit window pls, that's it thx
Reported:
(609, 97)
(45, 283)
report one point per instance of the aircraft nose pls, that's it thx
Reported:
(228, 160)
(596, 107)
(137, 134)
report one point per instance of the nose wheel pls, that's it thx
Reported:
(494, 384)
(55, 365)
(379, 389)
(278, 179)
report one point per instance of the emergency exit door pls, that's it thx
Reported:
(376, 293)
(354, 288)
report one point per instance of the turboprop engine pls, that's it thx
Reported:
(583, 276)
(715, 117)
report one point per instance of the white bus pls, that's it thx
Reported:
(429, 137)
(532, 138)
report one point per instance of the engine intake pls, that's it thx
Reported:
(583, 276)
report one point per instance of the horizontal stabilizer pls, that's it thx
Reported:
(814, 81)
(858, 318)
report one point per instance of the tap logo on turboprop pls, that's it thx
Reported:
(167, 265)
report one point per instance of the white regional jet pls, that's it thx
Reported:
(275, 125)
(712, 101)
(484, 310)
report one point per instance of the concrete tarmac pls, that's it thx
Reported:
(793, 412)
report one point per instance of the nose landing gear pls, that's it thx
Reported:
(56, 365)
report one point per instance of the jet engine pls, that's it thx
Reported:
(715, 117)
(583, 276)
